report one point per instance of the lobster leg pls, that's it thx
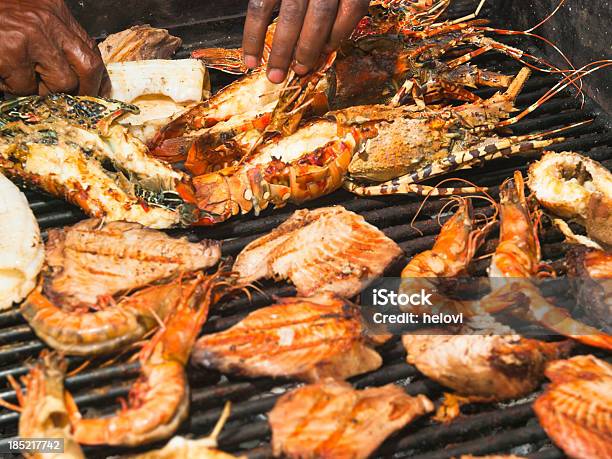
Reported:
(454, 161)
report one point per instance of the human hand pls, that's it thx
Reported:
(43, 49)
(305, 29)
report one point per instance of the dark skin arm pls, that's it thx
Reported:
(305, 30)
(43, 49)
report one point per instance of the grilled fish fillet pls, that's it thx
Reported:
(590, 274)
(21, 248)
(491, 367)
(91, 259)
(333, 420)
(576, 409)
(324, 250)
(303, 338)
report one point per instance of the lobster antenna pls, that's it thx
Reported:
(470, 16)
(543, 21)
(556, 89)
(221, 422)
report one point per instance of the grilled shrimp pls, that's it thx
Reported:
(455, 246)
(517, 258)
(77, 332)
(575, 187)
(185, 448)
(159, 400)
(44, 413)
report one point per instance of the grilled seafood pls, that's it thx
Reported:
(103, 330)
(20, 245)
(139, 43)
(159, 400)
(44, 413)
(72, 147)
(323, 250)
(91, 261)
(185, 448)
(575, 187)
(332, 420)
(315, 159)
(517, 259)
(575, 410)
(486, 362)
(590, 274)
(304, 338)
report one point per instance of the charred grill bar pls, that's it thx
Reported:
(484, 429)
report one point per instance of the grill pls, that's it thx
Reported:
(484, 429)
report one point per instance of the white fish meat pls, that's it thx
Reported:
(21, 249)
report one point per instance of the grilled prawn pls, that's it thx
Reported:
(43, 408)
(517, 260)
(72, 147)
(159, 400)
(185, 448)
(305, 338)
(89, 301)
(576, 408)
(332, 420)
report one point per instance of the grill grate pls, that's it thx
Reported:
(485, 429)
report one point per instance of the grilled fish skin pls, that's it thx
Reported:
(576, 409)
(333, 420)
(494, 366)
(21, 248)
(329, 249)
(91, 259)
(72, 147)
(590, 274)
(303, 338)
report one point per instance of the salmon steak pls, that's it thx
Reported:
(576, 408)
(324, 250)
(90, 260)
(302, 338)
(332, 420)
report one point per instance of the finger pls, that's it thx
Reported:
(84, 62)
(350, 12)
(259, 13)
(52, 66)
(288, 28)
(17, 74)
(21, 81)
(315, 32)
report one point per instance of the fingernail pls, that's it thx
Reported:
(300, 69)
(276, 75)
(250, 61)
